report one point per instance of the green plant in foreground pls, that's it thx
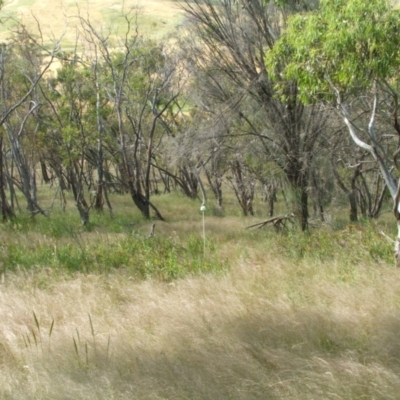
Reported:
(144, 258)
(355, 244)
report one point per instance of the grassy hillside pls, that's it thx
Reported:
(58, 17)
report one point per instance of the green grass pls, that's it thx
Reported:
(59, 244)
(354, 244)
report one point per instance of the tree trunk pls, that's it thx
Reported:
(77, 190)
(304, 209)
(350, 193)
(45, 174)
(6, 210)
(100, 130)
(353, 214)
(299, 186)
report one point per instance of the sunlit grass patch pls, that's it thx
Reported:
(155, 18)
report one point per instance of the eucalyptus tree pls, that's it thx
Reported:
(73, 105)
(24, 63)
(143, 85)
(348, 49)
(226, 50)
(92, 62)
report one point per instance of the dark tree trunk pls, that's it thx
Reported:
(45, 175)
(353, 214)
(6, 210)
(299, 185)
(304, 209)
(77, 190)
(143, 204)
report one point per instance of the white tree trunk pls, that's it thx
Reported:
(374, 150)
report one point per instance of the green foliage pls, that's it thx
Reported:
(59, 244)
(56, 226)
(352, 245)
(345, 43)
(143, 258)
(166, 259)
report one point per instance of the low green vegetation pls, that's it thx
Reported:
(158, 258)
(60, 243)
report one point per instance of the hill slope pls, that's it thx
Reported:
(59, 17)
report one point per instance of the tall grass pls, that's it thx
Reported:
(259, 331)
(106, 313)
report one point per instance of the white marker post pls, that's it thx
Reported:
(203, 209)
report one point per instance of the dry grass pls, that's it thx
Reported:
(268, 329)
(59, 17)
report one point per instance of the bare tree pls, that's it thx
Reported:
(143, 86)
(243, 185)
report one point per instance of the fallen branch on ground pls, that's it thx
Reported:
(278, 222)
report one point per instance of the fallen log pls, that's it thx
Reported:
(278, 222)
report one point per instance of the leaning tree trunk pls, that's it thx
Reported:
(26, 170)
(75, 180)
(376, 153)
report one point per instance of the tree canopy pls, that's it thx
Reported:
(347, 48)
(345, 44)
